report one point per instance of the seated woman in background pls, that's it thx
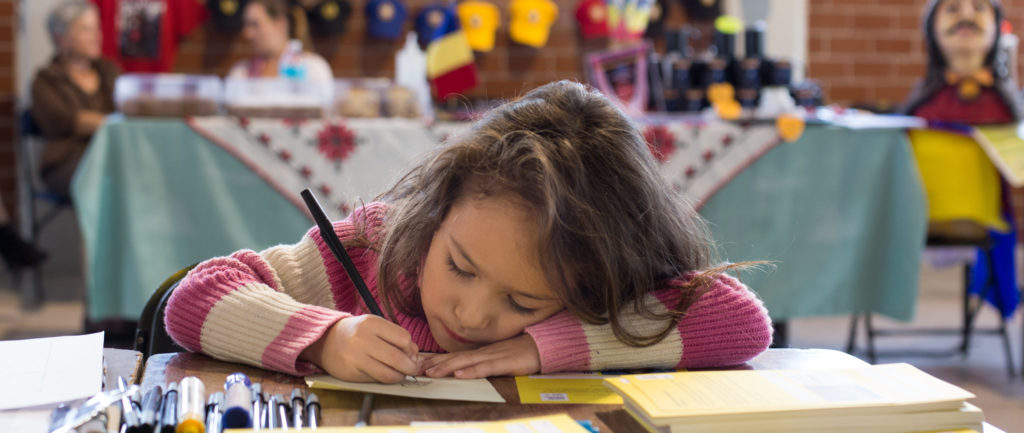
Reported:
(279, 38)
(72, 95)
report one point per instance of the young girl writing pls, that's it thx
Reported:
(543, 239)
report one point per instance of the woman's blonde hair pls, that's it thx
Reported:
(298, 26)
(611, 228)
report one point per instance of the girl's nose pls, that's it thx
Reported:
(472, 312)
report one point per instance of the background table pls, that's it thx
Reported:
(839, 212)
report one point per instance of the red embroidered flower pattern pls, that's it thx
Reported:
(660, 141)
(336, 142)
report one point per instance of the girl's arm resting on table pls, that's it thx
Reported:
(728, 325)
(236, 308)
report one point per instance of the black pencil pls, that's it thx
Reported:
(334, 244)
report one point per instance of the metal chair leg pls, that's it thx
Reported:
(851, 340)
(872, 355)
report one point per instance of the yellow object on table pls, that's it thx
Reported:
(959, 179)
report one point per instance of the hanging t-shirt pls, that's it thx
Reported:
(531, 20)
(479, 22)
(143, 35)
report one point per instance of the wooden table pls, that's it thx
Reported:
(341, 408)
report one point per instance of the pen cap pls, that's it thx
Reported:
(151, 405)
(191, 405)
(237, 402)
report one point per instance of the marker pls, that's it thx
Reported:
(298, 408)
(213, 412)
(282, 411)
(266, 411)
(257, 406)
(312, 411)
(169, 409)
(60, 416)
(273, 417)
(363, 419)
(129, 412)
(191, 410)
(151, 409)
(237, 402)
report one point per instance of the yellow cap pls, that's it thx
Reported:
(190, 426)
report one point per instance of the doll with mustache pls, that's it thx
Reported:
(967, 80)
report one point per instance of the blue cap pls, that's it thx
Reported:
(235, 378)
(384, 18)
(429, 20)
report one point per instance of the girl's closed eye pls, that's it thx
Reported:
(459, 272)
(519, 308)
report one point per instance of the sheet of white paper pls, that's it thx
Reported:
(49, 370)
(445, 388)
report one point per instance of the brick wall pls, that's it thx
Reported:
(8, 23)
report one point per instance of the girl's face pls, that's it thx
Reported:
(266, 35)
(83, 37)
(965, 25)
(482, 280)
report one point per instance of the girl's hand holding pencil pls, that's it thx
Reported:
(365, 348)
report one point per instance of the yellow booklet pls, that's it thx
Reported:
(704, 396)
(570, 388)
(561, 423)
(967, 418)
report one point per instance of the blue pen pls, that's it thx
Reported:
(237, 402)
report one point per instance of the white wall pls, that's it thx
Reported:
(786, 32)
(33, 46)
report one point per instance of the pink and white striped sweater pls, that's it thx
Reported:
(265, 308)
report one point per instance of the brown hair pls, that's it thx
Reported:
(298, 27)
(611, 228)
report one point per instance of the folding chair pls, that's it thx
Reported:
(971, 306)
(151, 336)
(31, 194)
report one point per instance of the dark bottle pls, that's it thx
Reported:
(748, 72)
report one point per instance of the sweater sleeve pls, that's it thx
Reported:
(261, 309)
(728, 325)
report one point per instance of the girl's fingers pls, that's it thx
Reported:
(396, 336)
(456, 361)
(395, 358)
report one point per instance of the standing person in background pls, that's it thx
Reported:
(73, 94)
(278, 35)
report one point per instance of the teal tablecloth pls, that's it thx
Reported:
(153, 196)
(840, 212)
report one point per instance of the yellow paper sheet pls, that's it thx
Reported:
(444, 388)
(581, 388)
(1005, 147)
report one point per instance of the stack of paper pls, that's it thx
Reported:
(876, 398)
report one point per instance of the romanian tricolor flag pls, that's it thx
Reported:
(450, 66)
